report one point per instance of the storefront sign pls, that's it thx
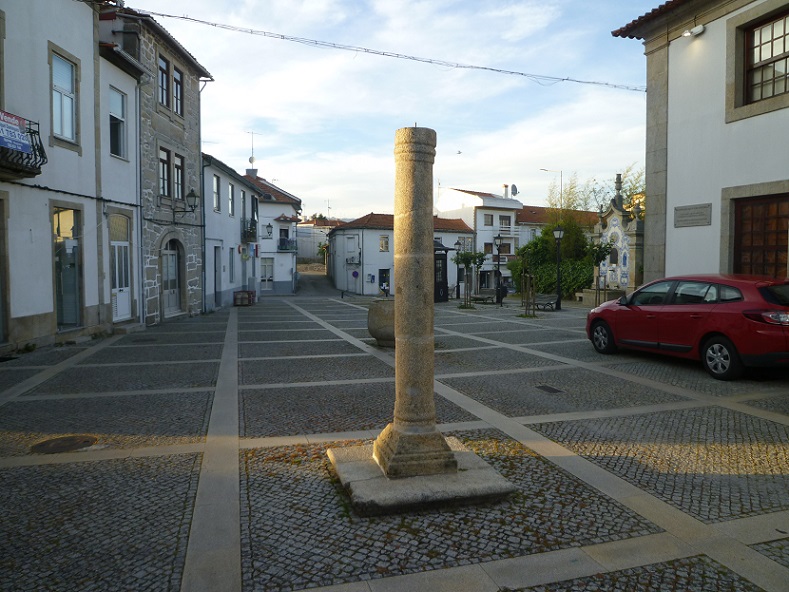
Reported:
(13, 133)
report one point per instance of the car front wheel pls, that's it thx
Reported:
(603, 338)
(720, 359)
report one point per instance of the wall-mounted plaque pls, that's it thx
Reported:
(697, 215)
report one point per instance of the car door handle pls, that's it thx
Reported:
(651, 316)
(696, 316)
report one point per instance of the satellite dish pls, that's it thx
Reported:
(514, 190)
(252, 160)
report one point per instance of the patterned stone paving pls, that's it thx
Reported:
(699, 573)
(108, 526)
(713, 463)
(312, 370)
(91, 379)
(778, 550)
(118, 422)
(555, 391)
(311, 410)
(291, 489)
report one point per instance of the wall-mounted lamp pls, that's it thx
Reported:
(189, 204)
(695, 31)
(269, 229)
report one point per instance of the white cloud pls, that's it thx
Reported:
(324, 119)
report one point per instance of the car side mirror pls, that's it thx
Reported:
(623, 301)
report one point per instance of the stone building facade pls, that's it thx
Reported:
(170, 168)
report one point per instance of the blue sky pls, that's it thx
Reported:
(324, 119)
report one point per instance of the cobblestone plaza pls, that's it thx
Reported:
(209, 463)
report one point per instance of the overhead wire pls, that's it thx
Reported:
(538, 78)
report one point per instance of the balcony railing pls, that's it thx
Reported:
(21, 153)
(249, 230)
(287, 244)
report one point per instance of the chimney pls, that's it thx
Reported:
(252, 173)
(506, 191)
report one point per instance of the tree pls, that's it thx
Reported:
(591, 194)
(468, 259)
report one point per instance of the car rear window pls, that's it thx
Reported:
(729, 294)
(778, 294)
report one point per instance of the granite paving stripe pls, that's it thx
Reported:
(713, 463)
(555, 391)
(292, 489)
(777, 550)
(279, 325)
(114, 525)
(310, 410)
(576, 349)
(41, 356)
(479, 359)
(153, 338)
(13, 376)
(525, 336)
(454, 342)
(312, 370)
(295, 348)
(687, 574)
(93, 379)
(484, 326)
(285, 335)
(776, 404)
(117, 422)
(689, 374)
(358, 333)
(155, 353)
(349, 324)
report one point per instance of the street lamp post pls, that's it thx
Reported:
(457, 268)
(497, 242)
(558, 234)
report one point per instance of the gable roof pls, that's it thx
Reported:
(277, 194)
(634, 29)
(543, 215)
(142, 16)
(386, 222)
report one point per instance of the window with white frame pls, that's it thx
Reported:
(217, 195)
(165, 162)
(488, 219)
(164, 81)
(231, 199)
(178, 91)
(64, 98)
(178, 176)
(466, 243)
(231, 265)
(117, 123)
(383, 243)
(768, 58)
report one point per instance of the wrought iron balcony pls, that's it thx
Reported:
(287, 244)
(21, 152)
(249, 230)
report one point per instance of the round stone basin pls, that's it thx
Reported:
(380, 321)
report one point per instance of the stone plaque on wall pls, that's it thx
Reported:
(696, 215)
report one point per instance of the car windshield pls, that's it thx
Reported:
(778, 294)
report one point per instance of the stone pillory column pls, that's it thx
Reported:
(412, 445)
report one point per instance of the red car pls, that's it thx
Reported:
(729, 322)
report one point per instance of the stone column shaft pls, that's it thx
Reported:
(412, 445)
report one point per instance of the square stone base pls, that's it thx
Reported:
(373, 493)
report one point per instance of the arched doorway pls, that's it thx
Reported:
(171, 278)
